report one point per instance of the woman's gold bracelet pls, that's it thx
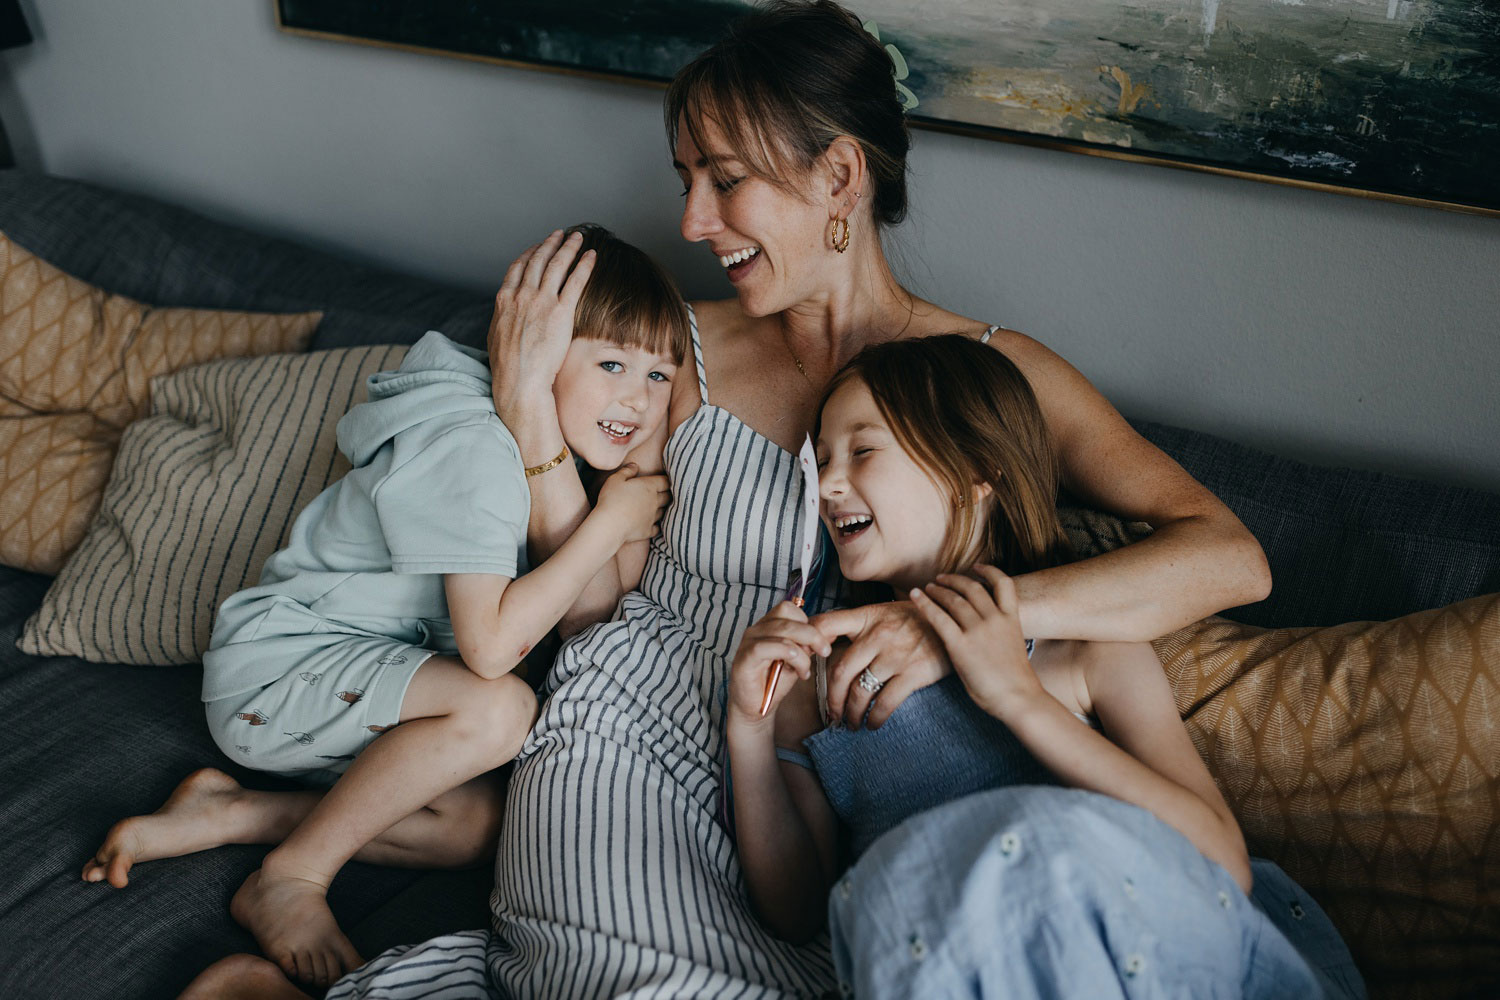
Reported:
(537, 470)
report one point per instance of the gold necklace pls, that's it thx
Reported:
(796, 360)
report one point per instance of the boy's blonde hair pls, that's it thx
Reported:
(629, 300)
(964, 412)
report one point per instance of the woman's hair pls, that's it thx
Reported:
(965, 412)
(788, 79)
(629, 300)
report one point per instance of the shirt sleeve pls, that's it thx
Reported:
(458, 505)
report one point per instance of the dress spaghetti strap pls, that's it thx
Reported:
(698, 354)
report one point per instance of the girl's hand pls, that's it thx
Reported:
(783, 635)
(634, 502)
(979, 622)
(892, 642)
(532, 325)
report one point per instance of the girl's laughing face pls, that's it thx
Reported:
(887, 514)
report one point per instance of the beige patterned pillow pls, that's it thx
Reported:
(1093, 532)
(1365, 760)
(75, 363)
(204, 489)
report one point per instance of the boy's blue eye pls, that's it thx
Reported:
(611, 366)
(659, 377)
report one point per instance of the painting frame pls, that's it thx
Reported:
(288, 20)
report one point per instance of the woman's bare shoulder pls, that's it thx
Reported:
(719, 318)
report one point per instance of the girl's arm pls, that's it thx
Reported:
(496, 620)
(1198, 561)
(784, 827)
(1151, 763)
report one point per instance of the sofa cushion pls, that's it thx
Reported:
(205, 489)
(1345, 545)
(1365, 760)
(87, 744)
(170, 256)
(75, 363)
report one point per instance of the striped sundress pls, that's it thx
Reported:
(614, 876)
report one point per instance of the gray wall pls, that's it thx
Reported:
(1329, 328)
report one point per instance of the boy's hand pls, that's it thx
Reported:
(784, 635)
(634, 502)
(978, 618)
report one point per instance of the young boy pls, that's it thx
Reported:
(399, 607)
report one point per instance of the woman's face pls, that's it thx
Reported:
(887, 515)
(768, 239)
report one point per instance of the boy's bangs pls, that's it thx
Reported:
(652, 323)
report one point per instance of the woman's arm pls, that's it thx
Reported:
(529, 335)
(784, 827)
(1147, 759)
(1198, 561)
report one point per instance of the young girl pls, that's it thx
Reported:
(938, 483)
(403, 602)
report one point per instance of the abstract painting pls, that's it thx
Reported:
(1397, 99)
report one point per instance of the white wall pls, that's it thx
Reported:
(1328, 328)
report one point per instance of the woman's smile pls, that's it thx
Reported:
(738, 263)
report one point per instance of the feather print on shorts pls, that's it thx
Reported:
(311, 678)
(255, 717)
(351, 696)
(306, 739)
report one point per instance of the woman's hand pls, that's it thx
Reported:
(893, 644)
(978, 618)
(783, 635)
(633, 502)
(533, 325)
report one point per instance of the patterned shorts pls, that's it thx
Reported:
(342, 693)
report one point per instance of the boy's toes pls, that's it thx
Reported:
(119, 871)
(108, 865)
(286, 961)
(349, 959)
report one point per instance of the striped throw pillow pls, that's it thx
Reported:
(203, 491)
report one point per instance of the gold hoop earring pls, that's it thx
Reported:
(840, 236)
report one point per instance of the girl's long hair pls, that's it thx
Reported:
(964, 411)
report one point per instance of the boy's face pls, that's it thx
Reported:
(611, 398)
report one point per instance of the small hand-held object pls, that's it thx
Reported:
(801, 578)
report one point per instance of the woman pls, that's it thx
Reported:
(613, 874)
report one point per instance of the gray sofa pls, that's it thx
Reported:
(85, 744)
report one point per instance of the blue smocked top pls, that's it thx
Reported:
(937, 747)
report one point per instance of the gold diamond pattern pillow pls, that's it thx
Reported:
(1365, 760)
(75, 364)
(204, 490)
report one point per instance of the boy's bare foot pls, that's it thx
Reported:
(248, 976)
(194, 818)
(295, 928)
